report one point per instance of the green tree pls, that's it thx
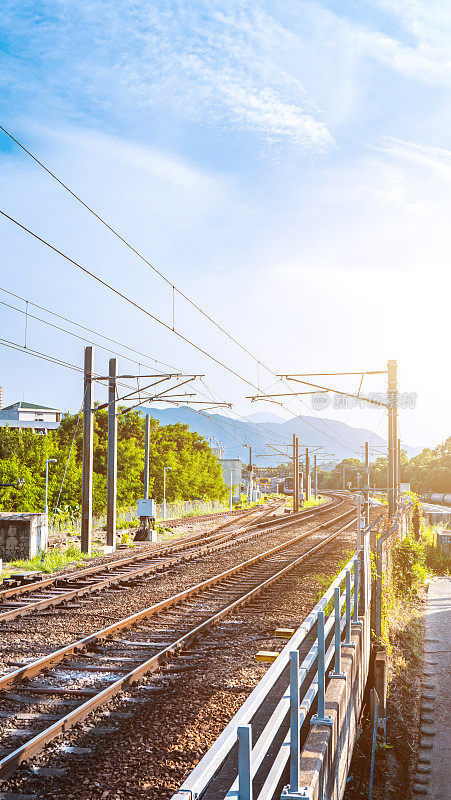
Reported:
(195, 470)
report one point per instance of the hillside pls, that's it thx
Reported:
(269, 438)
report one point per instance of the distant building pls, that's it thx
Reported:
(217, 447)
(38, 418)
(231, 472)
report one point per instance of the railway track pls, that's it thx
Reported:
(174, 523)
(87, 673)
(63, 588)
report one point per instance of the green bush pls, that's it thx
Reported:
(409, 570)
(436, 561)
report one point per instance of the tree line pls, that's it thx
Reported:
(430, 470)
(195, 471)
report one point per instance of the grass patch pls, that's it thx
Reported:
(314, 501)
(51, 561)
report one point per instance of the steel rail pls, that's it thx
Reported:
(155, 565)
(170, 547)
(185, 543)
(35, 744)
(208, 544)
(30, 670)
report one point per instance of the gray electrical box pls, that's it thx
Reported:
(147, 508)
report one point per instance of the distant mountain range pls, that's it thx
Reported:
(269, 435)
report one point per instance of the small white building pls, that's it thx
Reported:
(41, 419)
(231, 472)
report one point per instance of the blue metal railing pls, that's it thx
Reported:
(332, 617)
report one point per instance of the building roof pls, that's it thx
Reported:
(21, 406)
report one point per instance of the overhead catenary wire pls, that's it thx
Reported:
(163, 277)
(143, 310)
(132, 248)
(76, 368)
(67, 365)
(89, 330)
(125, 297)
(109, 350)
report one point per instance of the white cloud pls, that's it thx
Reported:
(437, 159)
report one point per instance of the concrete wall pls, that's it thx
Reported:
(327, 752)
(22, 535)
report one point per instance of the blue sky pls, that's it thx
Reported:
(286, 164)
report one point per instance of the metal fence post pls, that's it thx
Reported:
(348, 606)
(320, 718)
(295, 738)
(373, 748)
(245, 762)
(321, 667)
(356, 589)
(337, 669)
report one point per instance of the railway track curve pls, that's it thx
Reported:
(61, 589)
(95, 669)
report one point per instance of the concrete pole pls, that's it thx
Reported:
(367, 484)
(146, 455)
(359, 521)
(112, 457)
(398, 483)
(298, 477)
(315, 477)
(295, 494)
(392, 436)
(86, 495)
(307, 474)
(344, 477)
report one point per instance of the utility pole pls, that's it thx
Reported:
(86, 496)
(392, 436)
(315, 477)
(112, 456)
(367, 484)
(295, 474)
(251, 486)
(344, 477)
(146, 455)
(307, 475)
(398, 487)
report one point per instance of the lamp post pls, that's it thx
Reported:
(17, 484)
(231, 487)
(164, 491)
(48, 460)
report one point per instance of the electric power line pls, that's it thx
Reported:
(160, 274)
